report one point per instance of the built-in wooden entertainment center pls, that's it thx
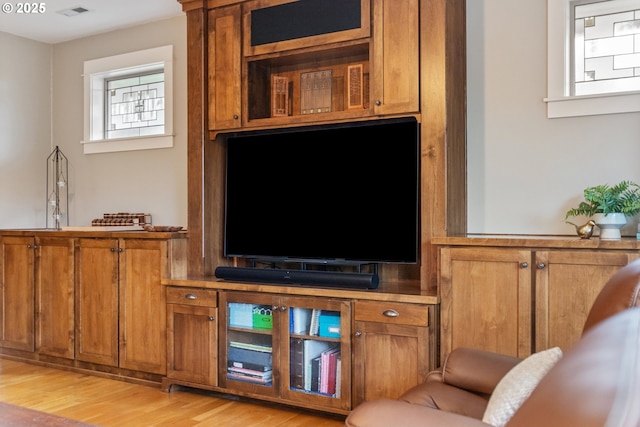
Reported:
(401, 58)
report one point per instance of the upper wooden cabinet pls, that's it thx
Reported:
(225, 37)
(396, 52)
(264, 73)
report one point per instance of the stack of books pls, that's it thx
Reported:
(250, 363)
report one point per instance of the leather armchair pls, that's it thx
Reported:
(596, 382)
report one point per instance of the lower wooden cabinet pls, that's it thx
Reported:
(316, 352)
(55, 290)
(89, 298)
(192, 335)
(17, 293)
(393, 348)
(97, 301)
(523, 296)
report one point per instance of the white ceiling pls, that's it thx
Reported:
(104, 15)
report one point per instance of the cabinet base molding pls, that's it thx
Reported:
(169, 385)
(108, 372)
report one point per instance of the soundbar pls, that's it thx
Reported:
(334, 279)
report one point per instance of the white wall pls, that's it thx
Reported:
(524, 170)
(150, 181)
(25, 130)
(41, 106)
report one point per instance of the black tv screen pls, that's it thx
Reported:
(338, 193)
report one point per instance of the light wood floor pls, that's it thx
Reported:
(105, 402)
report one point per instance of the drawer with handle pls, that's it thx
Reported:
(392, 312)
(192, 296)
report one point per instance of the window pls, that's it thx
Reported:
(594, 57)
(128, 101)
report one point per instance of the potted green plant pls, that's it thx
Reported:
(609, 206)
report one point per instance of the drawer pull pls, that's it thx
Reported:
(390, 313)
(191, 296)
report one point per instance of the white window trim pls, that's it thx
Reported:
(559, 102)
(95, 73)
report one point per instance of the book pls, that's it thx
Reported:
(251, 346)
(279, 96)
(241, 377)
(245, 365)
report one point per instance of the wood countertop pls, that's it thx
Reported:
(537, 241)
(134, 234)
(387, 291)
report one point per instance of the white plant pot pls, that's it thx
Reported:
(610, 225)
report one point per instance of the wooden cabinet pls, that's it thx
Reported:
(192, 335)
(377, 57)
(486, 300)
(276, 345)
(225, 49)
(396, 54)
(394, 346)
(17, 293)
(97, 301)
(55, 290)
(566, 285)
(517, 295)
(143, 322)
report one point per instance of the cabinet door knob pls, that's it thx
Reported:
(211, 318)
(235, 117)
(112, 249)
(274, 307)
(390, 313)
(29, 246)
(378, 102)
(358, 334)
(541, 265)
(191, 296)
(283, 308)
(524, 265)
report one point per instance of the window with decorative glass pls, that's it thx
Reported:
(135, 106)
(605, 47)
(129, 101)
(593, 57)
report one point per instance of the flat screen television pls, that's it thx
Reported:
(330, 193)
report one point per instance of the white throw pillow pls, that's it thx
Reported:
(517, 385)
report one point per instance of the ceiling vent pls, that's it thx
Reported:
(74, 11)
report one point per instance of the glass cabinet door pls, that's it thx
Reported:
(250, 343)
(319, 353)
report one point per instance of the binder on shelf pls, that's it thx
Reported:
(301, 319)
(257, 358)
(314, 325)
(297, 363)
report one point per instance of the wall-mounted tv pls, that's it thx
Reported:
(330, 193)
